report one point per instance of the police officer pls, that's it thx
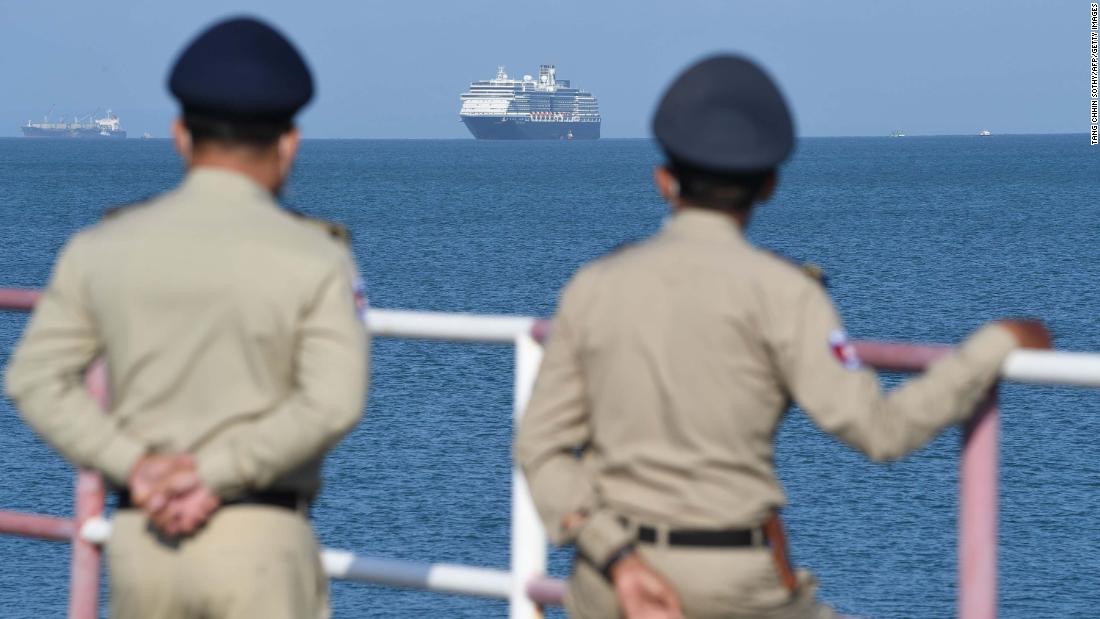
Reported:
(234, 346)
(648, 441)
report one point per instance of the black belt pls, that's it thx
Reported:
(717, 538)
(287, 500)
(728, 538)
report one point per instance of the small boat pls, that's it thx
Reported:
(984, 133)
(898, 134)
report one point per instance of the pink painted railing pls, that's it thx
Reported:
(90, 494)
(978, 480)
(978, 476)
(89, 499)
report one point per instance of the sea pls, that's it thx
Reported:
(923, 239)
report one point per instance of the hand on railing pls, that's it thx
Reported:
(642, 591)
(169, 490)
(1029, 332)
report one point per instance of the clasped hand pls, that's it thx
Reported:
(642, 591)
(169, 490)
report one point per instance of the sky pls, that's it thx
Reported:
(396, 69)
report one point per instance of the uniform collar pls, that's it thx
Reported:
(224, 183)
(701, 223)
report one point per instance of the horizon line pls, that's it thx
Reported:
(472, 139)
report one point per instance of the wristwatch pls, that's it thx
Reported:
(618, 555)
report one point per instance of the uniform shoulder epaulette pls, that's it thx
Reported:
(809, 269)
(121, 209)
(815, 272)
(337, 232)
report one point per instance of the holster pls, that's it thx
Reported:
(777, 541)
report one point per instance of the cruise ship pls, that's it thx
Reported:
(88, 127)
(545, 108)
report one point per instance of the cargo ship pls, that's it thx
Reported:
(545, 108)
(87, 127)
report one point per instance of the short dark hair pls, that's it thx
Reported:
(726, 191)
(205, 128)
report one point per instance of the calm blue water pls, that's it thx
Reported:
(923, 238)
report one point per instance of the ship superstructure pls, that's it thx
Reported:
(545, 108)
(86, 127)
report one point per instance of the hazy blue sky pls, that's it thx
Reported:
(395, 69)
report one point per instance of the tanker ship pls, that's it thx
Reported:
(86, 127)
(546, 108)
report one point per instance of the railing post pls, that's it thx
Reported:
(90, 493)
(528, 536)
(978, 508)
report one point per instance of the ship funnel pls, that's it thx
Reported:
(546, 74)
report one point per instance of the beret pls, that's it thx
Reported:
(241, 69)
(726, 115)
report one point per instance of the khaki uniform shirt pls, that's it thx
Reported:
(229, 328)
(670, 365)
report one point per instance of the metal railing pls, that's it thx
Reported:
(525, 586)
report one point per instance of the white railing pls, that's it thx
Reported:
(525, 585)
(528, 539)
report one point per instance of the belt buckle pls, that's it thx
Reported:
(662, 530)
(759, 540)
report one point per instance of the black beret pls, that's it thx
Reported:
(726, 115)
(241, 69)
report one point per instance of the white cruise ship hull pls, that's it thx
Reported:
(505, 128)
